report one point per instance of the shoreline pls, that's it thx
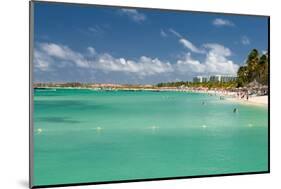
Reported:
(230, 96)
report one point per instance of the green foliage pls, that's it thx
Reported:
(242, 76)
(209, 85)
(256, 69)
(263, 70)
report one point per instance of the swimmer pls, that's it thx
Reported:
(235, 110)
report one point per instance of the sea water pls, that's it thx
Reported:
(83, 135)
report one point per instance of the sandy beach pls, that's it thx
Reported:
(253, 100)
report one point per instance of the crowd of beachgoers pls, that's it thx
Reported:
(250, 96)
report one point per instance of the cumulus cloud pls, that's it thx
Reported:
(41, 60)
(217, 60)
(188, 64)
(92, 51)
(48, 54)
(133, 14)
(51, 56)
(218, 49)
(143, 66)
(64, 53)
(245, 40)
(222, 22)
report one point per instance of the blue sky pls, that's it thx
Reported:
(115, 45)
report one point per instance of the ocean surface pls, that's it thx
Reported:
(84, 135)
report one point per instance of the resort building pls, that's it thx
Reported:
(214, 78)
(228, 78)
(200, 79)
(205, 79)
(222, 78)
(197, 79)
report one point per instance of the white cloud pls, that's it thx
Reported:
(41, 60)
(64, 53)
(222, 22)
(175, 33)
(188, 64)
(186, 43)
(190, 46)
(144, 66)
(217, 61)
(264, 52)
(245, 40)
(51, 56)
(218, 49)
(92, 51)
(46, 53)
(163, 33)
(134, 15)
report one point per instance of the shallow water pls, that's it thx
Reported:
(92, 136)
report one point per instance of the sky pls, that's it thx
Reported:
(98, 44)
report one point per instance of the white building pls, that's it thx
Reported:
(222, 78)
(228, 78)
(214, 78)
(200, 79)
(197, 79)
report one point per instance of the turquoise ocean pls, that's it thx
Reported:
(83, 135)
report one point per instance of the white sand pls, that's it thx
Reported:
(259, 100)
(254, 100)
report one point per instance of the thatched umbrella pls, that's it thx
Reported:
(264, 87)
(254, 85)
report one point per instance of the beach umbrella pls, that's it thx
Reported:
(254, 84)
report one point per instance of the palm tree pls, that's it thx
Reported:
(252, 64)
(242, 76)
(263, 69)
